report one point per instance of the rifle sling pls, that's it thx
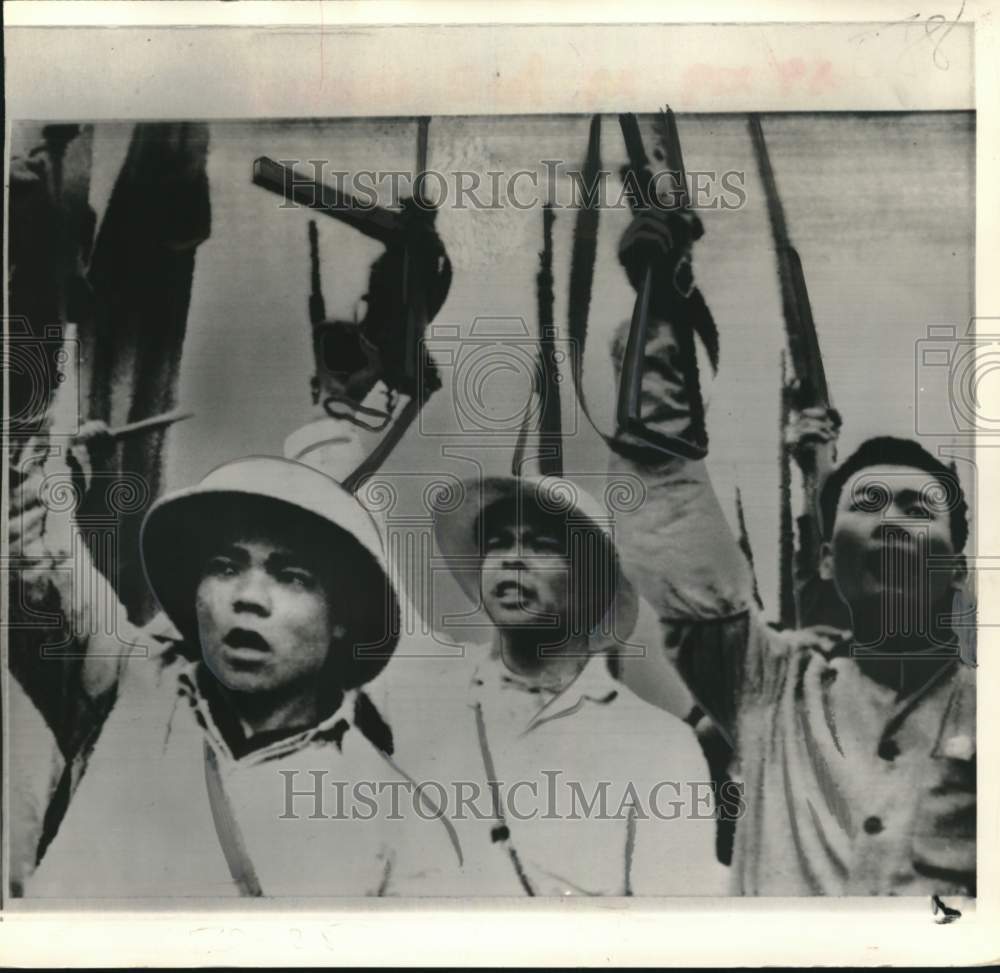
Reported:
(227, 828)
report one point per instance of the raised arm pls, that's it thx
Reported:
(678, 547)
(69, 633)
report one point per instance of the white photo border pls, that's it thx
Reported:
(63, 61)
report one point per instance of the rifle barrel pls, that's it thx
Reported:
(373, 221)
(423, 126)
(317, 305)
(775, 210)
(637, 158)
(803, 342)
(673, 154)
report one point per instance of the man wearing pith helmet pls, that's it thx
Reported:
(233, 772)
(589, 790)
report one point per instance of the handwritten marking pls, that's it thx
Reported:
(935, 24)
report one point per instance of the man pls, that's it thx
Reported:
(858, 748)
(809, 730)
(588, 789)
(229, 775)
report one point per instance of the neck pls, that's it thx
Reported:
(265, 712)
(872, 629)
(903, 661)
(531, 654)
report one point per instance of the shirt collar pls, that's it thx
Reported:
(195, 686)
(594, 686)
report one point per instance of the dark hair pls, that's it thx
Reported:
(594, 571)
(888, 450)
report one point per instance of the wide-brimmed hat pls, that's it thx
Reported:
(460, 538)
(177, 527)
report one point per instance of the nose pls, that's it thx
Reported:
(511, 560)
(253, 594)
(897, 529)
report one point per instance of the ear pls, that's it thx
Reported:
(960, 572)
(825, 566)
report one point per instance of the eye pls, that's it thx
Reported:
(297, 578)
(869, 497)
(548, 542)
(918, 510)
(496, 541)
(221, 566)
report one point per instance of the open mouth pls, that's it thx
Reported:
(897, 563)
(246, 640)
(513, 593)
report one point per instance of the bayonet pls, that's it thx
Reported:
(161, 421)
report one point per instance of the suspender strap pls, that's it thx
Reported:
(228, 829)
(500, 833)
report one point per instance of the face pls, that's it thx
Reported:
(264, 616)
(890, 520)
(524, 578)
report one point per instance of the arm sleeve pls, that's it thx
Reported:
(730, 665)
(69, 639)
(648, 671)
(36, 765)
(674, 846)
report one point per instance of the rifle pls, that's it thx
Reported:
(690, 315)
(787, 614)
(690, 311)
(420, 305)
(583, 258)
(398, 232)
(550, 459)
(390, 341)
(809, 387)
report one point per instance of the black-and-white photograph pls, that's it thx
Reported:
(549, 505)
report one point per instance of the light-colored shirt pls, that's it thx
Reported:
(34, 769)
(850, 788)
(599, 793)
(141, 823)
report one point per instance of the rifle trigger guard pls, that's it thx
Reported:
(350, 416)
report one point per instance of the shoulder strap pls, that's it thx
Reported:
(228, 829)
(500, 832)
